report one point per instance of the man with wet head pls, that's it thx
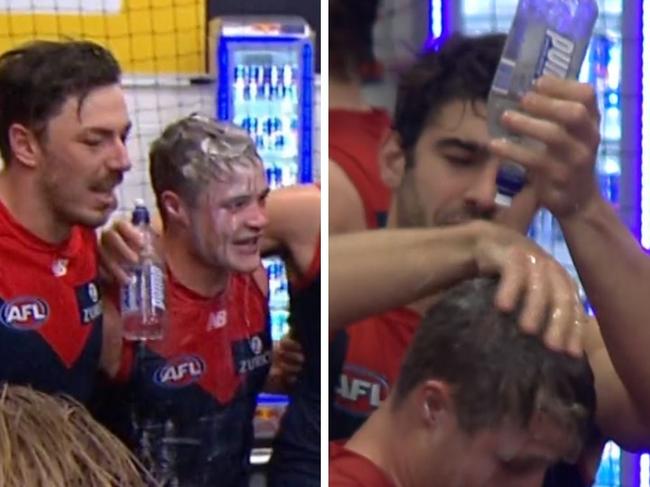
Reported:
(63, 127)
(188, 400)
(293, 234)
(478, 402)
(207, 175)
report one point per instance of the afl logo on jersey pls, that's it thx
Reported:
(180, 371)
(360, 390)
(24, 313)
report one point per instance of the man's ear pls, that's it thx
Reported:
(392, 160)
(436, 401)
(176, 210)
(24, 144)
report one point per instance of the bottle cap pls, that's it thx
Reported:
(510, 180)
(140, 213)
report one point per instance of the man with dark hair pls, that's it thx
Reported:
(478, 402)
(350, 41)
(355, 128)
(437, 164)
(441, 165)
(440, 113)
(63, 126)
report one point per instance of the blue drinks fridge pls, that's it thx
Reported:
(266, 85)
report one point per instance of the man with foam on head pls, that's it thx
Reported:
(63, 126)
(187, 401)
(478, 403)
(293, 233)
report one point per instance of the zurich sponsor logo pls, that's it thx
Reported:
(24, 313)
(180, 371)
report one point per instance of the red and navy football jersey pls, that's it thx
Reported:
(50, 310)
(188, 400)
(375, 348)
(354, 143)
(349, 469)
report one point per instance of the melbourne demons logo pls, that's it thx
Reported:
(360, 390)
(180, 371)
(256, 344)
(24, 313)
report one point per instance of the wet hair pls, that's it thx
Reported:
(460, 68)
(496, 371)
(350, 37)
(193, 151)
(37, 78)
(54, 441)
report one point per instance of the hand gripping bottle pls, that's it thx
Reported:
(143, 299)
(547, 37)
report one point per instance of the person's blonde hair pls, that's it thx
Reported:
(53, 441)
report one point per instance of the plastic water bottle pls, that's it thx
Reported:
(547, 37)
(143, 299)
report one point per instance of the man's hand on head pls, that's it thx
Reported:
(551, 306)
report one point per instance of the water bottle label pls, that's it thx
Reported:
(130, 294)
(556, 55)
(157, 288)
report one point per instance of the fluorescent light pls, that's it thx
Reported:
(644, 470)
(645, 128)
(435, 20)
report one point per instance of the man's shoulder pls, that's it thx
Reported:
(349, 469)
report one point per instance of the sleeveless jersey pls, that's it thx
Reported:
(50, 310)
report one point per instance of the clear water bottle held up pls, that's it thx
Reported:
(547, 37)
(143, 299)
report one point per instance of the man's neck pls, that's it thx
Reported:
(24, 201)
(376, 442)
(189, 270)
(346, 95)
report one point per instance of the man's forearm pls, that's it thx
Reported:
(616, 275)
(372, 272)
